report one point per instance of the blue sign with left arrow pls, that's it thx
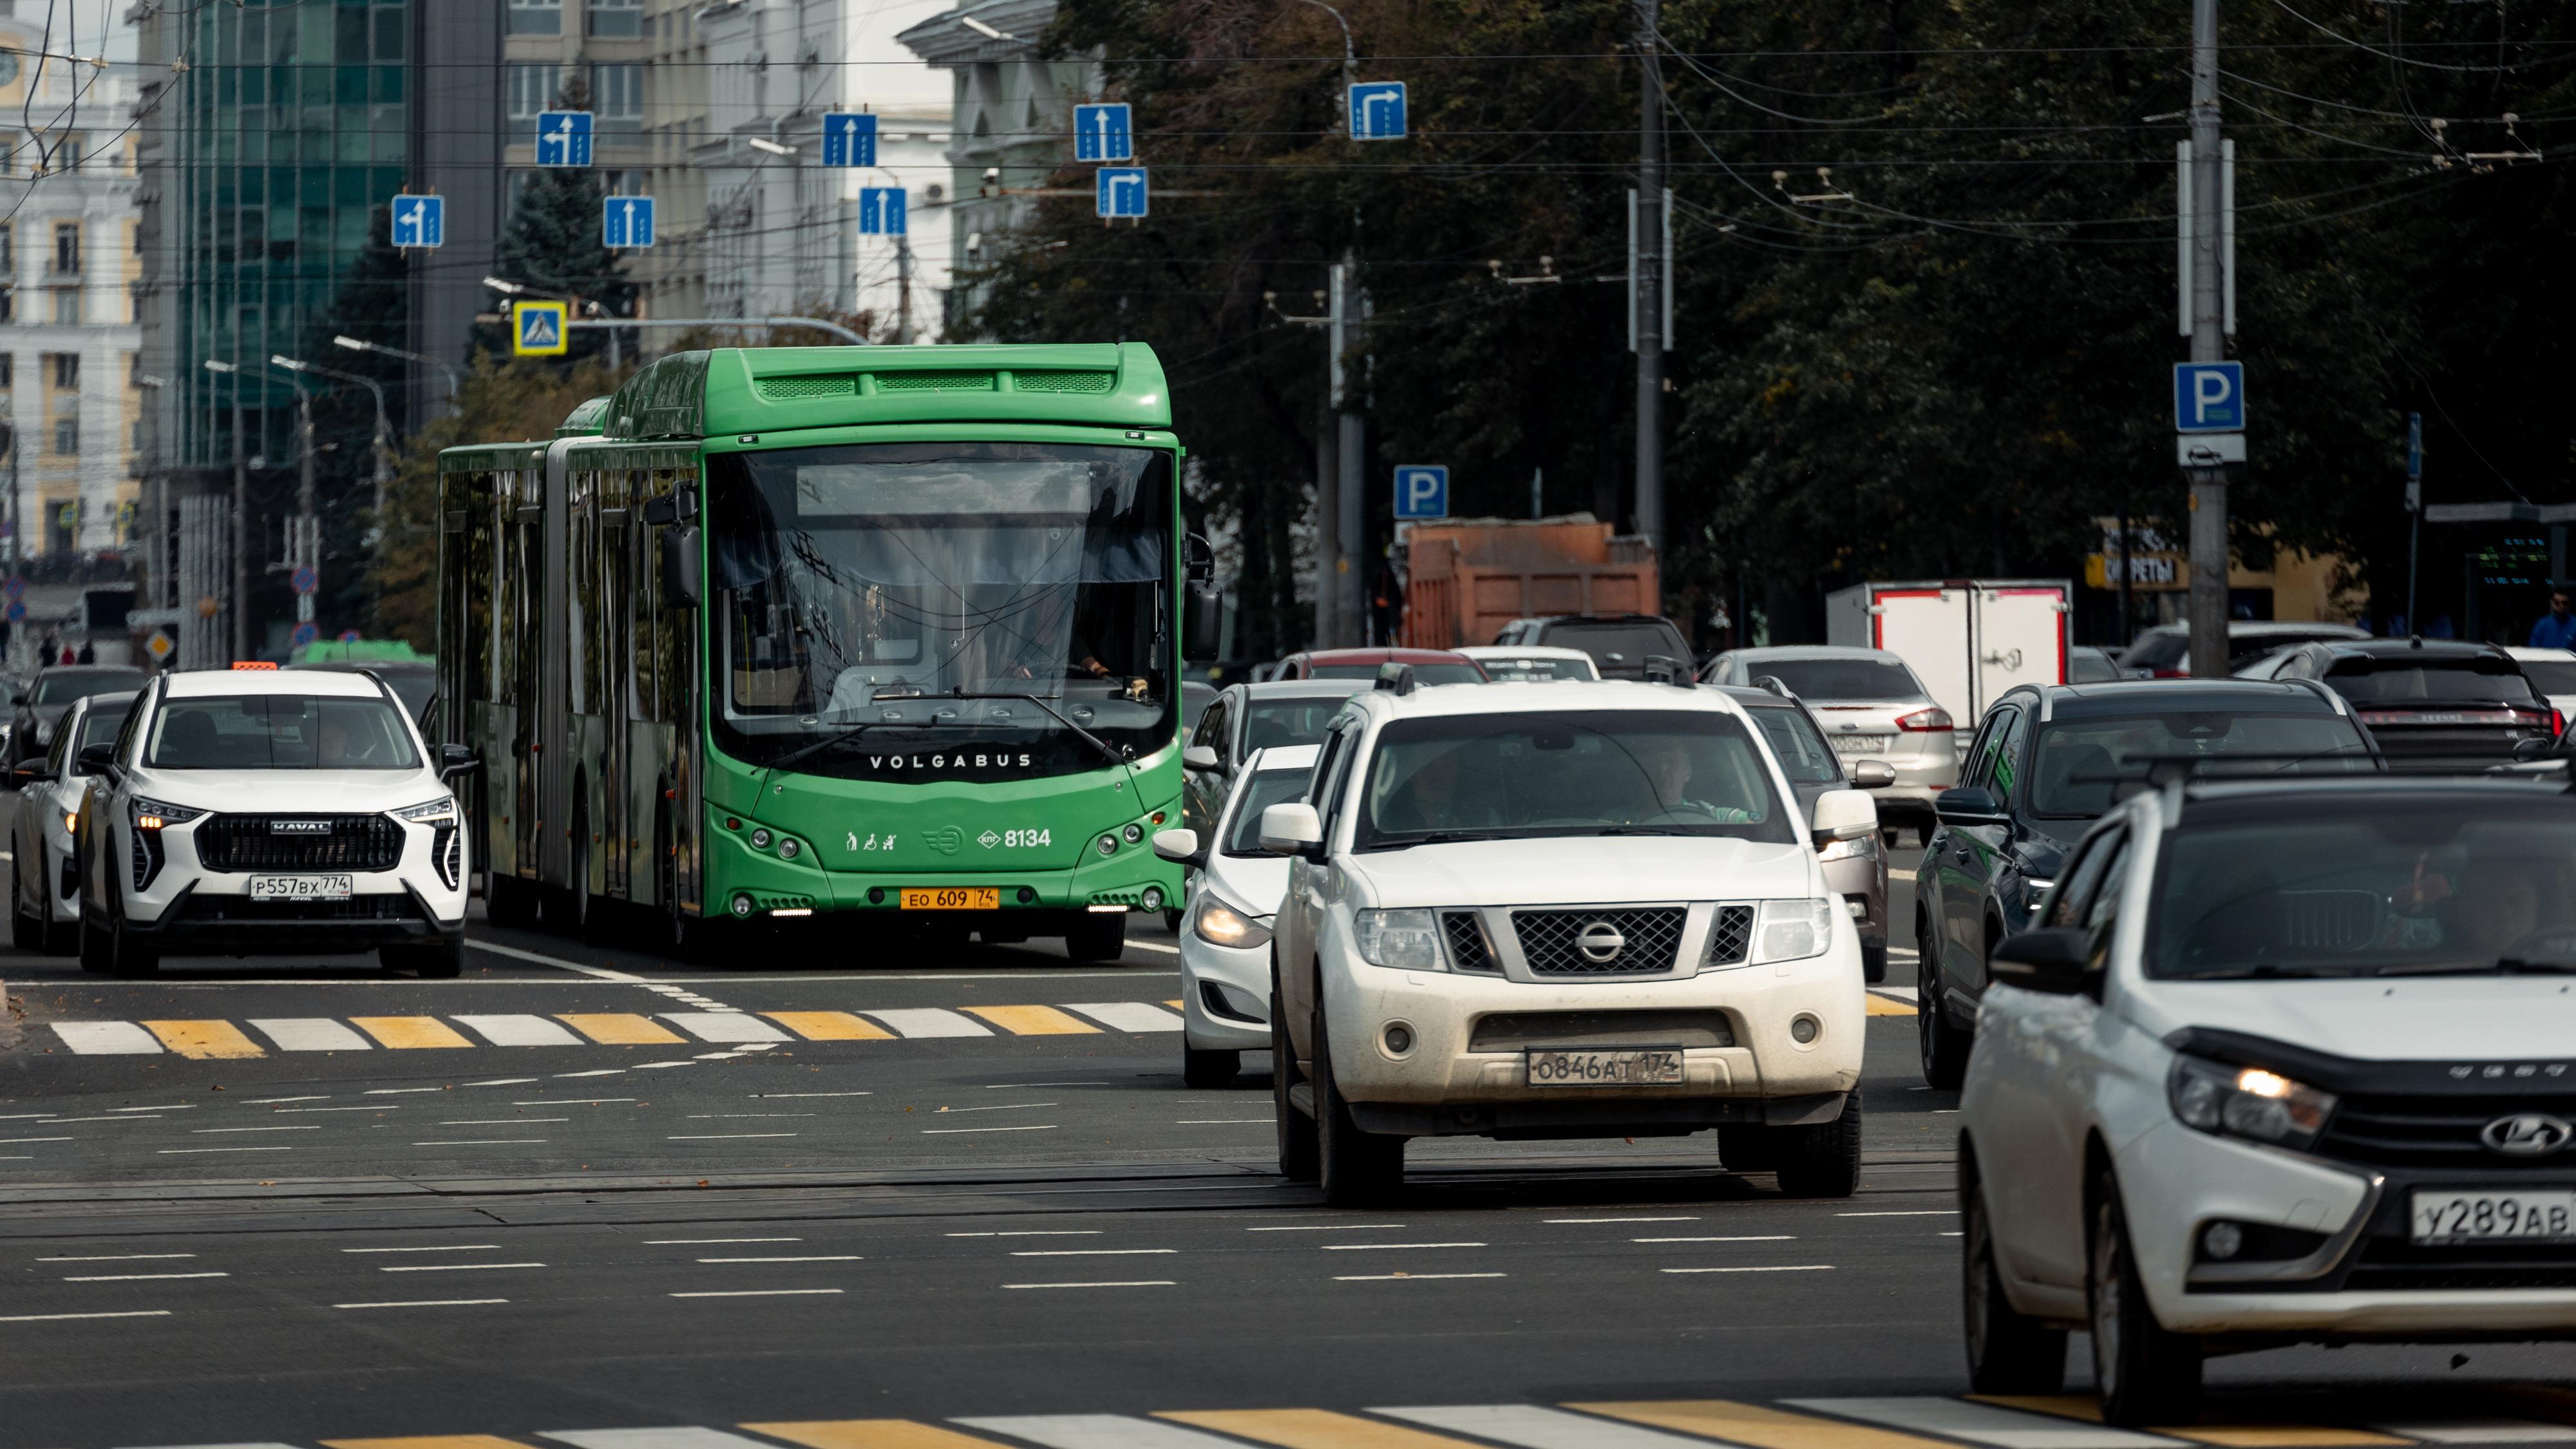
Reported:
(419, 221)
(563, 138)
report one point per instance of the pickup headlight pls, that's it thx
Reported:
(154, 814)
(1405, 940)
(2247, 1102)
(1790, 930)
(431, 812)
(1221, 925)
(1864, 848)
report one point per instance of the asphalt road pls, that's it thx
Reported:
(302, 1203)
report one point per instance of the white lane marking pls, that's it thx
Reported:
(569, 1101)
(1761, 1238)
(139, 1277)
(398, 1091)
(1781, 1268)
(1036, 1233)
(759, 1293)
(1327, 1228)
(370, 1107)
(1378, 1247)
(1908, 1213)
(2481, 1431)
(520, 1030)
(1003, 1107)
(1408, 1277)
(1128, 1283)
(1527, 1426)
(794, 1258)
(1089, 1252)
(1692, 1218)
(759, 1095)
(265, 1101)
(1220, 1121)
(1024, 1086)
(597, 973)
(505, 1081)
(496, 1121)
(739, 1116)
(480, 1142)
(1982, 1423)
(928, 1021)
(721, 1136)
(106, 1038)
(311, 1034)
(39, 1139)
(62, 1317)
(601, 1072)
(116, 1258)
(442, 1248)
(293, 1127)
(196, 1151)
(1096, 1431)
(447, 1267)
(693, 1242)
(648, 1066)
(1153, 946)
(425, 1303)
(28, 1117)
(1135, 1016)
(169, 1107)
(119, 1117)
(725, 1026)
(956, 1131)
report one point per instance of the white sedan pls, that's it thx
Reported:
(1227, 915)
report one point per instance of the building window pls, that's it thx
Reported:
(8, 304)
(67, 306)
(8, 251)
(536, 17)
(67, 247)
(617, 94)
(533, 89)
(8, 368)
(67, 437)
(616, 17)
(66, 370)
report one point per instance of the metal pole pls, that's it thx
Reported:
(1650, 281)
(1328, 519)
(903, 290)
(2208, 344)
(2127, 569)
(241, 530)
(1349, 601)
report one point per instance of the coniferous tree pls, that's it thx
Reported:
(554, 244)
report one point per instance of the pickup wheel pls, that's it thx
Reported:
(1944, 1047)
(1823, 1160)
(2009, 1352)
(1297, 1147)
(1873, 963)
(2146, 1375)
(1360, 1169)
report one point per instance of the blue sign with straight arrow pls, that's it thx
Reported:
(1104, 132)
(849, 139)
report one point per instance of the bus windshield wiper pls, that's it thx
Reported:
(828, 741)
(1108, 751)
(2502, 966)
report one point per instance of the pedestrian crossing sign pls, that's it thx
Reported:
(537, 329)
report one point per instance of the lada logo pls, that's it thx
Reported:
(2526, 1134)
(947, 839)
(1600, 942)
(299, 827)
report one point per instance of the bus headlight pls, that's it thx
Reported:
(1107, 844)
(787, 848)
(760, 838)
(1133, 833)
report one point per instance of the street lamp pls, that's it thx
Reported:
(455, 383)
(384, 430)
(241, 515)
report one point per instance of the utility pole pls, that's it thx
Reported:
(2415, 513)
(1652, 311)
(2209, 285)
(903, 289)
(1349, 577)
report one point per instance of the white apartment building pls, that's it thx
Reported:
(68, 264)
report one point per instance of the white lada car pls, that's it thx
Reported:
(1227, 915)
(2278, 1063)
(247, 812)
(1561, 910)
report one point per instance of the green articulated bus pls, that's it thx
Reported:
(893, 633)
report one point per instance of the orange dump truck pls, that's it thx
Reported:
(1468, 577)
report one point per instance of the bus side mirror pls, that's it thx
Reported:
(680, 506)
(680, 567)
(1201, 628)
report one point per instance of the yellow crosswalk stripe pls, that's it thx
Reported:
(1032, 1020)
(202, 1039)
(1174, 1004)
(1314, 1429)
(2229, 1436)
(870, 1434)
(1760, 1427)
(428, 1441)
(409, 1032)
(830, 1026)
(618, 1028)
(1882, 1006)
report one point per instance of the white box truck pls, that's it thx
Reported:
(1968, 639)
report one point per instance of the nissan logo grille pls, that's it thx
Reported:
(2526, 1134)
(1601, 942)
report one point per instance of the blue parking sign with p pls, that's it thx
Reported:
(1422, 490)
(2209, 397)
(849, 139)
(419, 221)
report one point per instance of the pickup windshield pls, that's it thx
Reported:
(1523, 776)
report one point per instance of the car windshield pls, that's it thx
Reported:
(1527, 775)
(101, 726)
(2368, 682)
(1804, 756)
(2090, 666)
(65, 688)
(1538, 668)
(1840, 679)
(279, 732)
(857, 585)
(2080, 762)
(1620, 648)
(2373, 886)
(1270, 787)
(2551, 676)
(1422, 673)
(1274, 723)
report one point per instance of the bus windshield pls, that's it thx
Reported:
(986, 605)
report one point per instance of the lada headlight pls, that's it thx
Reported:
(1222, 925)
(2248, 1102)
(1792, 930)
(1405, 940)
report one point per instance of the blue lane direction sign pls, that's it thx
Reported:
(1422, 490)
(419, 221)
(1104, 133)
(849, 139)
(1123, 192)
(1377, 111)
(626, 221)
(2209, 397)
(881, 211)
(2414, 446)
(563, 138)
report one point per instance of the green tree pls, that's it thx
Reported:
(372, 303)
(554, 244)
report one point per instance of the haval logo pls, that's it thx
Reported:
(1600, 942)
(2526, 1134)
(299, 827)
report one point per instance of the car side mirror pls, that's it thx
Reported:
(1180, 847)
(98, 760)
(1204, 624)
(26, 775)
(455, 760)
(1872, 774)
(1968, 805)
(680, 567)
(1201, 760)
(17, 696)
(2055, 960)
(1842, 815)
(1293, 829)
(678, 506)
